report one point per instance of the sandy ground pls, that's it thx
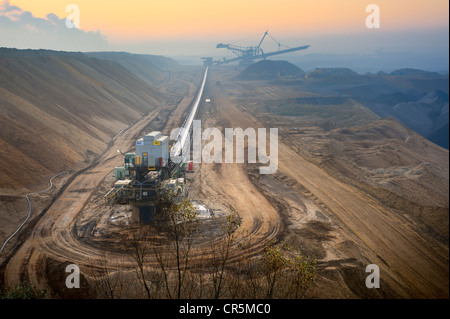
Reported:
(345, 228)
(365, 231)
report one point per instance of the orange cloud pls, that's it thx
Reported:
(157, 19)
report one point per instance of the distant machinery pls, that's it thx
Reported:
(247, 55)
(208, 61)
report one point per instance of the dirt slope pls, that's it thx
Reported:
(59, 108)
(269, 69)
(150, 68)
(58, 111)
(382, 189)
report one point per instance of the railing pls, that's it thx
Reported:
(129, 193)
(111, 195)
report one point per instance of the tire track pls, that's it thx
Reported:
(29, 209)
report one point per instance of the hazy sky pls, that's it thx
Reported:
(194, 27)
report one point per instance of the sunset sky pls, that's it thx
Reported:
(166, 26)
(162, 19)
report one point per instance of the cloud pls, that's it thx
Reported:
(20, 29)
(12, 12)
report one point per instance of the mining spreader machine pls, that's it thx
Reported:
(143, 173)
(153, 166)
